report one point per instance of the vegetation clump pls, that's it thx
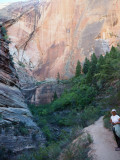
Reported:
(5, 154)
(78, 69)
(20, 129)
(4, 34)
(21, 64)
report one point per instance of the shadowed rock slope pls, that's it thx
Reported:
(17, 128)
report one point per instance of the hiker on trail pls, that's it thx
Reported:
(115, 121)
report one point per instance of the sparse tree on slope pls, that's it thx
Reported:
(78, 69)
(86, 66)
(58, 77)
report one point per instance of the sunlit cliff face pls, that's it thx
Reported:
(50, 36)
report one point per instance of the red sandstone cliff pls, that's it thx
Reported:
(50, 36)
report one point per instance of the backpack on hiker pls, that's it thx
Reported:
(117, 129)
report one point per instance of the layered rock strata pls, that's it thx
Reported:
(18, 131)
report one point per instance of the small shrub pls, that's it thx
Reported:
(89, 138)
(4, 34)
(79, 154)
(66, 121)
(11, 59)
(21, 64)
(21, 129)
(44, 153)
(5, 154)
(78, 150)
(6, 38)
(76, 132)
(3, 30)
(0, 116)
(63, 134)
(106, 120)
(53, 151)
(34, 137)
(90, 115)
(47, 133)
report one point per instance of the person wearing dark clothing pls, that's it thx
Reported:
(116, 138)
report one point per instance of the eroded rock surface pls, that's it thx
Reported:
(44, 93)
(18, 131)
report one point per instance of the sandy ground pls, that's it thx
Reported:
(103, 147)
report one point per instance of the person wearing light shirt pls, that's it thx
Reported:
(115, 119)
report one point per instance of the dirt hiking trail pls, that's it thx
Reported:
(103, 147)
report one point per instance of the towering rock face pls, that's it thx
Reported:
(44, 93)
(51, 35)
(16, 122)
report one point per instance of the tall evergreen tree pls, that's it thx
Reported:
(55, 96)
(94, 59)
(100, 62)
(58, 77)
(86, 66)
(93, 63)
(92, 68)
(89, 75)
(78, 69)
(113, 52)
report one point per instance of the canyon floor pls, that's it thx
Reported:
(103, 147)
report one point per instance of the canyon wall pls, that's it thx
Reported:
(50, 36)
(17, 127)
(44, 93)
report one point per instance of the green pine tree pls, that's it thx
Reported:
(89, 75)
(55, 96)
(92, 69)
(86, 66)
(93, 61)
(113, 53)
(78, 69)
(93, 64)
(100, 63)
(58, 77)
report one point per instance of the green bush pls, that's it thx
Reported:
(106, 120)
(78, 97)
(3, 30)
(43, 153)
(21, 64)
(48, 133)
(4, 33)
(90, 115)
(21, 129)
(5, 154)
(78, 151)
